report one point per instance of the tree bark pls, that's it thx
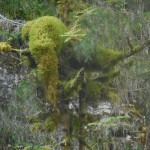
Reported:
(66, 125)
(82, 113)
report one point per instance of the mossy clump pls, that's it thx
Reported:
(5, 47)
(51, 124)
(45, 43)
(36, 127)
(105, 57)
(25, 30)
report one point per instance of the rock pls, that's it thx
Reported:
(11, 72)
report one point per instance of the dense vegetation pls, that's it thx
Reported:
(86, 77)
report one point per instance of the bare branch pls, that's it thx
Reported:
(4, 19)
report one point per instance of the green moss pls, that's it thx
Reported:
(36, 126)
(25, 30)
(45, 44)
(51, 124)
(45, 33)
(26, 61)
(104, 56)
(5, 47)
(45, 148)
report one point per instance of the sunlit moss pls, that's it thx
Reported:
(45, 33)
(5, 47)
(45, 148)
(45, 44)
(25, 30)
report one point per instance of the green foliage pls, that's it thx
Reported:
(111, 122)
(14, 127)
(5, 35)
(116, 4)
(93, 90)
(71, 87)
(110, 32)
(26, 9)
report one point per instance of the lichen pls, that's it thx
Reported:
(5, 47)
(45, 44)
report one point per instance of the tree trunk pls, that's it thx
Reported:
(66, 124)
(82, 113)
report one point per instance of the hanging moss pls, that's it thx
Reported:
(45, 44)
(5, 47)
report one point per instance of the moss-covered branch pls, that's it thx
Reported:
(129, 54)
(104, 59)
(7, 48)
